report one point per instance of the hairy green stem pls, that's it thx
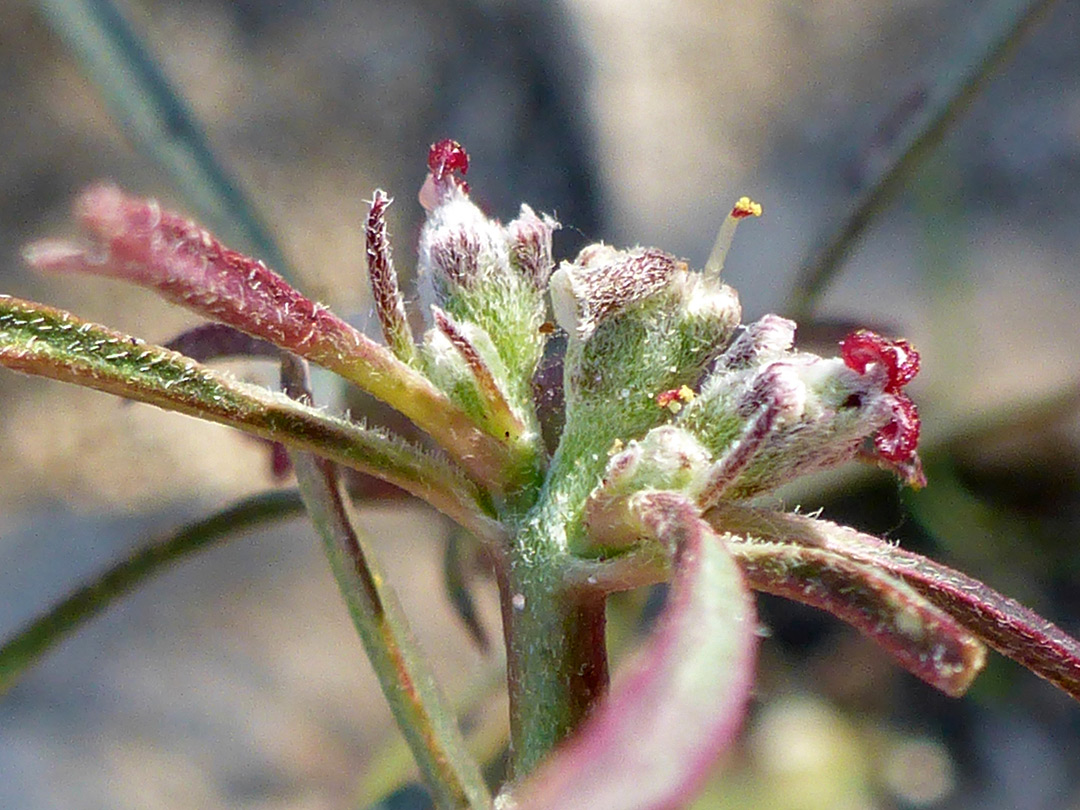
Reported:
(556, 653)
(422, 712)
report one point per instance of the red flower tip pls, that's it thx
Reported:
(864, 348)
(745, 207)
(446, 157)
(896, 442)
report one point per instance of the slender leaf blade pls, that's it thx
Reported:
(48, 342)
(1003, 623)
(40, 635)
(923, 638)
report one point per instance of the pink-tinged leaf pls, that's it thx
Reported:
(135, 240)
(389, 303)
(922, 638)
(40, 340)
(1003, 623)
(651, 741)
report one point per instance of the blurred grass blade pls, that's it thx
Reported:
(40, 340)
(1004, 624)
(36, 638)
(422, 712)
(650, 742)
(993, 35)
(458, 561)
(157, 119)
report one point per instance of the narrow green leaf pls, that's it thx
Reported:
(36, 638)
(40, 340)
(418, 705)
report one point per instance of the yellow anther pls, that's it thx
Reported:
(745, 207)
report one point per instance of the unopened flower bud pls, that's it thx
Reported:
(530, 246)
(763, 340)
(603, 281)
(483, 273)
(667, 458)
(459, 246)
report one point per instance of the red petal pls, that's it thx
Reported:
(864, 348)
(897, 441)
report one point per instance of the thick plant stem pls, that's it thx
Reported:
(556, 656)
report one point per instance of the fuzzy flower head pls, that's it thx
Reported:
(769, 413)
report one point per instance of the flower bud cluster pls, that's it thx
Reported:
(661, 396)
(640, 323)
(487, 277)
(663, 389)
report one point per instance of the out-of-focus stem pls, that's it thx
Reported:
(35, 639)
(993, 35)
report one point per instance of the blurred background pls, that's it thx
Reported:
(235, 680)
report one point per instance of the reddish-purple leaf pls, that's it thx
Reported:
(651, 741)
(922, 638)
(1003, 623)
(137, 241)
(389, 303)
